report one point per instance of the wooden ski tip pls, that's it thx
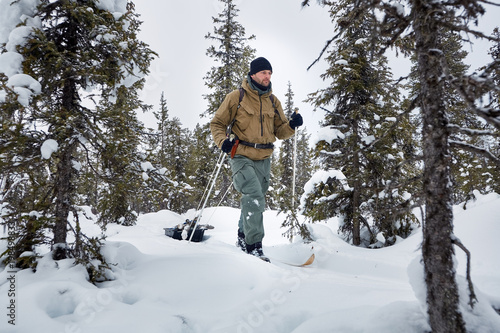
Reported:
(309, 261)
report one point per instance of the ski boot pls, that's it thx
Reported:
(241, 241)
(256, 250)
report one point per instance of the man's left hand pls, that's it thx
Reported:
(296, 121)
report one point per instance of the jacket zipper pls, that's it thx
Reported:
(261, 120)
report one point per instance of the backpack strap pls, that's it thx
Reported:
(271, 97)
(230, 126)
(242, 94)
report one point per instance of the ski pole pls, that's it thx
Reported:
(221, 156)
(198, 217)
(294, 165)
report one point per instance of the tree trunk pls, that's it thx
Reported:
(64, 133)
(437, 248)
(63, 203)
(356, 202)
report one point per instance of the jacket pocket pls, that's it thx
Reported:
(268, 125)
(248, 124)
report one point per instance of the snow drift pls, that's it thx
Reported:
(164, 285)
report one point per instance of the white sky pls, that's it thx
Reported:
(287, 35)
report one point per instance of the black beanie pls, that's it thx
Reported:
(259, 64)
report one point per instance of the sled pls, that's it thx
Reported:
(183, 231)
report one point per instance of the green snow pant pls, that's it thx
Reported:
(251, 179)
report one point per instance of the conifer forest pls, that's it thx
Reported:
(392, 153)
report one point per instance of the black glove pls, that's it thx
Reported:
(227, 145)
(296, 121)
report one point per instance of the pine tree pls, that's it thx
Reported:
(365, 133)
(428, 20)
(288, 181)
(200, 165)
(167, 181)
(178, 152)
(494, 97)
(157, 184)
(468, 171)
(89, 63)
(233, 56)
(120, 161)
(304, 162)
(495, 54)
(285, 162)
(161, 138)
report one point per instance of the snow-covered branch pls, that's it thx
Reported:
(469, 131)
(475, 150)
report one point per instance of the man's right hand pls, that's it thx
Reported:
(227, 145)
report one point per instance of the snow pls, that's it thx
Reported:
(327, 134)
(10, 63)
(23, 80)
(321, 176)
(48, 147)
(114, 6)
(368, 139)
(165, 285)
(14, 13)
(11, 15)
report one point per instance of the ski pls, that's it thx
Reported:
(306, 263)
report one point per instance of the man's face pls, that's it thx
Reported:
(263, 77)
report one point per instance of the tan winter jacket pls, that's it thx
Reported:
(256, 121)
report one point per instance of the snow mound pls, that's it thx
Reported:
(159, 284)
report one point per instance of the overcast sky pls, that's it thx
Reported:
(287, 35)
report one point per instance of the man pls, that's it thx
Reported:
(246, 125)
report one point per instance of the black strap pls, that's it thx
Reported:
(242, 93)
(257, 145)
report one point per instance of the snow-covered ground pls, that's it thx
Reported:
(165, 285)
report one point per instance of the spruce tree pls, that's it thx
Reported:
(167, 181)
(200, 150)
(233, 57)
(364, 134)
(232, 54)
(290, 176)
(469, 171)
(89, 65)
(157, 184)
(426, 20)
(285, 162)
(494, 98)
(178, 152)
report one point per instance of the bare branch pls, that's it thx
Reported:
(472, 294)
(323, 51)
